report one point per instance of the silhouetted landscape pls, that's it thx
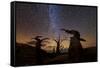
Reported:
(55, 34)
(26, 55)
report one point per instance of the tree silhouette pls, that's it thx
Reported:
(75, 33)
(58, 46)
(38, 48)
(75, 49)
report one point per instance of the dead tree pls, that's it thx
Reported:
(38, 49)
(75, 50)
(58, 46)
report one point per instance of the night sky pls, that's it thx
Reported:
(46, 20)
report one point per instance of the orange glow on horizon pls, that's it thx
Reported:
(90, 41)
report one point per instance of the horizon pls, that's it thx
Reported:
(46, 20)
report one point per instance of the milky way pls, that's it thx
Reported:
(46, 20)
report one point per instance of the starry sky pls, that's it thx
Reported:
(46, 20)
